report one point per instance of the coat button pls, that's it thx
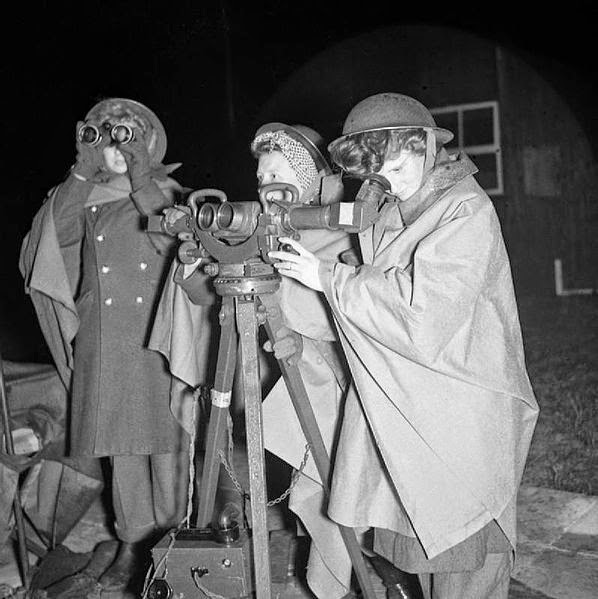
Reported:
(105, 269)
(108, 301)
(94, 208)
(139, 299)
(100, 237)
(143, 265)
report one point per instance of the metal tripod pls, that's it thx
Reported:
(248, 302)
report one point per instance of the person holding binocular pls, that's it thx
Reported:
(94, 275)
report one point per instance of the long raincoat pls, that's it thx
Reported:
(439, 419)
(94, 275)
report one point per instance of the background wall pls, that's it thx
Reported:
(214, 71)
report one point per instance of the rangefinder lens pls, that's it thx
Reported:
(226, 215)
(122, 134)
(206, 217)
(90, 135)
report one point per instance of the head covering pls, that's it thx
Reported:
(125, 109)
(299, 144)
(389, 111)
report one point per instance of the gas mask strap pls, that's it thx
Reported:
(310, 195)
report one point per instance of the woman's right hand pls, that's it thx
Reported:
(90, 159)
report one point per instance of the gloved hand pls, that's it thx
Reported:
(288, 345)
(173, 214)
(137, 158)
(90, 159)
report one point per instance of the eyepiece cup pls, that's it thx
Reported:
(90, 135)
(122, 134)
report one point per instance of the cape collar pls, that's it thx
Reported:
(447, 172)
(119, 187)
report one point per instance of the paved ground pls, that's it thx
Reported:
(557, 553)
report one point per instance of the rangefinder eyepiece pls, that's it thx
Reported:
(90, 135)
(122, 134)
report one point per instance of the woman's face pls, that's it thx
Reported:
(405, 173)
(273, 167)
(114, 160)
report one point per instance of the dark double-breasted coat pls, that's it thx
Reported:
(92, 240)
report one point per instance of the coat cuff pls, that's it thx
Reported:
(327, 272)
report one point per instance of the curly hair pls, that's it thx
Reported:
(365, 153)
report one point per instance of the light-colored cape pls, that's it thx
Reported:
(437, 427)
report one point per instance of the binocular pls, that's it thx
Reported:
(92, 135)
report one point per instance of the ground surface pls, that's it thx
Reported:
(561, 340)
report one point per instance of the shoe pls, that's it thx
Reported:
(130, 565)
(399, 584)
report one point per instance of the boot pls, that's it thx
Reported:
(399, 584)
(130, 566)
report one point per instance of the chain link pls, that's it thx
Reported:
(227, 463)
(294, 478)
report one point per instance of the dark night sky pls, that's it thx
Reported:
(172, 56)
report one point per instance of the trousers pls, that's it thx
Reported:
(149, 493)
(491, 581)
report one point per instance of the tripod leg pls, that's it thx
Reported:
(309, 425)
(248, 328)
(221, 396)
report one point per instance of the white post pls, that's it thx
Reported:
(558, 282)
(558, 277)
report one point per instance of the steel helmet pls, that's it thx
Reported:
(389, 111)
(116, 106)
(310, 139)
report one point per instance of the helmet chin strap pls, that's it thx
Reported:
(430, 158)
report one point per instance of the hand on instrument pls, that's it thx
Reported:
(302, 266)
(174, 213)
(288, 345)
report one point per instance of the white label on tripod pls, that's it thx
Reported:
(345, 213)
(221, 399)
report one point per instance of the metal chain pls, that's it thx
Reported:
(294, 479)
(231, 473)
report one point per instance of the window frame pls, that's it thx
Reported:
(494, 148)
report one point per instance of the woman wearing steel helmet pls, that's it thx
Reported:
(94, 275)
(438, 423)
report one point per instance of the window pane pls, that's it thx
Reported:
(477, 127)
(487, 166)
(448, 120)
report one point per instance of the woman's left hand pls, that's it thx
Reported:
(300, 264)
